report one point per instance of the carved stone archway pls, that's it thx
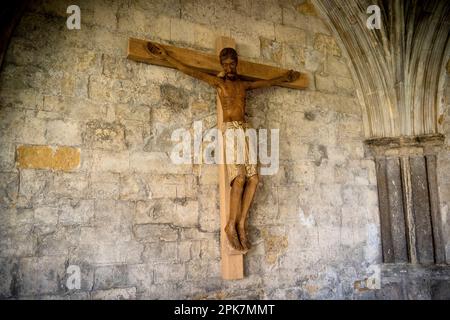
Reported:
(399, 72)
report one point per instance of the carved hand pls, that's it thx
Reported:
(156, 50)
(292, 75)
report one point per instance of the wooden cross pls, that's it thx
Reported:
(232, 262)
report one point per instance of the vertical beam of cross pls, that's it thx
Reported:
(232, 262)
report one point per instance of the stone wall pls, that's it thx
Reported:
(86, 177)
(444, 163)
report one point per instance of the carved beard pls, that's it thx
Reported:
(231, 76)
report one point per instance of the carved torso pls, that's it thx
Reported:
(232, 97)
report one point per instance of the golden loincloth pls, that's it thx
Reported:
(245, 168)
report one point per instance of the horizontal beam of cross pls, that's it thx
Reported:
(137, 51)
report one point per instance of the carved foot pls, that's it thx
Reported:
(232, 237)
(244, 239)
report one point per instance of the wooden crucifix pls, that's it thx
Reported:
(231, 77)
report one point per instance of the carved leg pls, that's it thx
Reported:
(247, 200)
(237, 189)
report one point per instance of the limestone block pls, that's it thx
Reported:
(210, 250)
(293, 56)
(209, 175)
(103, 89)
(100, 246)
(41, 275)
(9, 188)
(344, 85)
(160, 252)
(16, 217)
(118, 67)
(135, 134)
(196, 234)
(8, 270)
(209, 216)
(106, 277)
(252, 26)
(275, 245)
(326, 44)
(7, 161)
(111, 161)
(30, 99)
(314, 60)
(34, 185)
(154, 211)
(169, 272)
(35, 125)
(134, 187)
(349, 130)
(69, 184)
(63, 133)
(307, 8)
(73, 108)
(317, 153)
(271, 50)
(189, 188)
(45, 219)
(140, 276)
(76, 212)
(247, 45)
(155, 232)
(293, 18)
(115, 294)
(153, 20)
(186, 213)
(104, 135)
(59, 243)
(18, 241)
(302, 172)
(325, 172)
(290, 35)
(200, 269)
(337, 67)
(266, 10)
(179, 212)
(140, 113)
(325, 84)
(156, 162)
(104, 185)
(115, 218)
(184, 251)
(46, 157)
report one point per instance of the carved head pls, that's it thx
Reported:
(229, 60)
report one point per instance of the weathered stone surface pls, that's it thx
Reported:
(326, 44)
(9, 188)
(169, 273)
(104, 135)
(271, 50)
(162, 251)
(46, 157)
(63, 133)
(155, 232)
(42, 275)
(8, 277)
(106, 277)
(140, 226)
(115, 294)
(307, 8)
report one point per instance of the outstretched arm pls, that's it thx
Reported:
(288, 77)
(159, 51)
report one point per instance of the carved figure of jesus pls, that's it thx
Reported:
(232, 93)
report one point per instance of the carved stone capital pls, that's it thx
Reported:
(406, 145)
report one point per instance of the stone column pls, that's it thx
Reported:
(411, 227)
